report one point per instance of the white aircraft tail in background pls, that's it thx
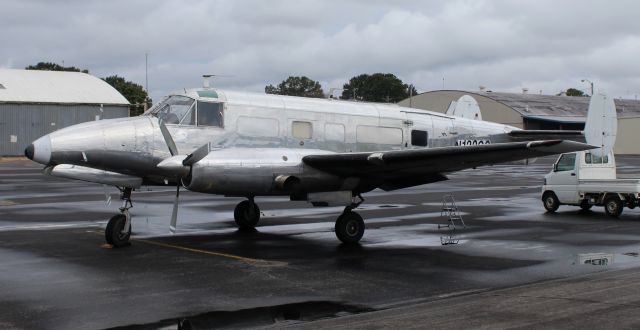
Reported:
(602, 124)
(465, 107)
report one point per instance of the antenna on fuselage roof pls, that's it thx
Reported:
(205, 82)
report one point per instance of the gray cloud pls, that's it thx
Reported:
(504, 45)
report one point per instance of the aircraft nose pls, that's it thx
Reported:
(29, 151)
(40, 150)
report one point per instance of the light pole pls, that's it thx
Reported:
(590, 83)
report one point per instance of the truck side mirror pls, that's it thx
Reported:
(555, 167)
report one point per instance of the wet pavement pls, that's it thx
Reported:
(55, 272)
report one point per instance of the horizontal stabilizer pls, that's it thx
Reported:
(530, 135)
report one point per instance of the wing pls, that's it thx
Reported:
(405, 168)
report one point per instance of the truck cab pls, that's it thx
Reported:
(586, 179)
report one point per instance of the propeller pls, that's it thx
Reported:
(180, 165)
(173, 150)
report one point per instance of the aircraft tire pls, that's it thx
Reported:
(245, 216)
(113, 233)
(613, 206)
(349, 227)
(550, 202)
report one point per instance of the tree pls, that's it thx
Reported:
(574, 92)
(378, 87)
(49, 66)
(297, 86)
(134, 93)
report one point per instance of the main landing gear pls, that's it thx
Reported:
(247, 214)
(349, 225)
(118, 228)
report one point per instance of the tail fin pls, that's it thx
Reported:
(599, 130)
(602, 124)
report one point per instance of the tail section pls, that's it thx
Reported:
(599, 130)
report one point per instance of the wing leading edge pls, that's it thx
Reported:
(406, 165)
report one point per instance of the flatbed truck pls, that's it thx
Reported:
(585, 179)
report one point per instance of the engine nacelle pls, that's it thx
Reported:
(259, 172)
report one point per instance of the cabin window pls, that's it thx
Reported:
(334, 132)
(173, 109)
(210, 114)
(301, 129)
(419, 138)
(379, 135)
(258, 127)
(593, 159)
(567, 162)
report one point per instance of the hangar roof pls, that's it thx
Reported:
(34, 86)
(536, 105)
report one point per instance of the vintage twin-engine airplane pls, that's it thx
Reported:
(248, 145)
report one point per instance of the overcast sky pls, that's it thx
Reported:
(542, 45)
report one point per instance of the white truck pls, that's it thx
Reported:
(584, 179)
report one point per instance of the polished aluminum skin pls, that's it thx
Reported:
(255, 142)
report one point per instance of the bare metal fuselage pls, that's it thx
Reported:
(262, 139)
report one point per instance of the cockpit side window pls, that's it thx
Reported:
(210, 114)
(173, 109)
(190, 117)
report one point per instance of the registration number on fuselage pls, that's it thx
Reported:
(472, 142)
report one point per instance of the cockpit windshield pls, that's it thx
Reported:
(173, 109)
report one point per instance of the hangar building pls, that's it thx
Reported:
(534, 111)
(34, 103)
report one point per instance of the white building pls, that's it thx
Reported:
(34, 103)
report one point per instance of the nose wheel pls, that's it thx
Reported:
(118, 229)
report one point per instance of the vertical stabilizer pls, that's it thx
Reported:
(602, 124)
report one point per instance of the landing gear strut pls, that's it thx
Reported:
(349, 225)
(118, 228)
(247, 214)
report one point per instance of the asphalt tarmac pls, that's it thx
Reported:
(56, 272)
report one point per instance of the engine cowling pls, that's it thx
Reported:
(258, 171)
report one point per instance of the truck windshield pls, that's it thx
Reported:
(173, 109)
(567, 162)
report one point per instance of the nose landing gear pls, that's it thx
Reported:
(118, 229)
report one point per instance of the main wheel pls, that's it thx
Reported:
(613, 206)
(349, 227)
(550, 202)
(246, 215)
(115, 234)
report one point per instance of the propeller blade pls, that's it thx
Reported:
(174, 214)
(197, 155)
(167, 138)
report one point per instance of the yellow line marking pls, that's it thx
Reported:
(211, 253)
(7, 202)
(251, 261)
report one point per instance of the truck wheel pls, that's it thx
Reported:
(550, 202)
(585, 206)
(613, 206)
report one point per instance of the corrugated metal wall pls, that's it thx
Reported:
(21, 124)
